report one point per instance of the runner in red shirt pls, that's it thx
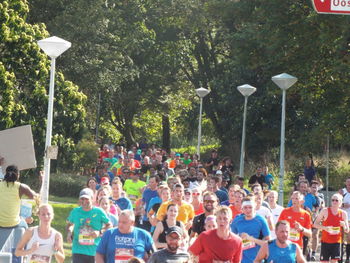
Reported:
(333, 220)
(218, 244)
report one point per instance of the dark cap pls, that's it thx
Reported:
(174, 229)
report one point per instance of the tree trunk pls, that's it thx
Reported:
(166, 132)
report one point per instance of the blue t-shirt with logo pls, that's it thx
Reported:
(256, 227)
(118, 247)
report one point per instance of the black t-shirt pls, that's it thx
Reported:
(198, 223)
(255, 179)
(164, 256)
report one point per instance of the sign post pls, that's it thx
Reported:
(338, 7)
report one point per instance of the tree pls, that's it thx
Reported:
(24, 78)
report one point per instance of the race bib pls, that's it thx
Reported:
(39, 259)
(122, 255)
(335, 230)
(85, 238)
(247, 244)
(294, 235)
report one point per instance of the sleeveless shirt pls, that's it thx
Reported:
(161, 238)
(46, 247)
(285, 255)
(334, 221)
(10, 204)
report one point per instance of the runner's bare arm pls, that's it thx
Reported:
(300, 256)
(262, 254)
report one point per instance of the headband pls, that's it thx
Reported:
(247, 203)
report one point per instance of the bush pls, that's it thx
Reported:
(66, 184)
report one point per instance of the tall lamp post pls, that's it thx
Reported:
(283, 81)
(201, 92)
(53, 47)
(246, 90)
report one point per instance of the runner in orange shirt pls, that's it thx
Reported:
(298, 218)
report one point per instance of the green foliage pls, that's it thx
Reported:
(87, 154)
(66, 185)
(24, 81)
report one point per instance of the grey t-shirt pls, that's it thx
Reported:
(164, 256)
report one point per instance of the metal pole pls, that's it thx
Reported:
(241, 164)
(280, 196)
(327, 169)
(46, 179)
(98, 116)
(199, 129)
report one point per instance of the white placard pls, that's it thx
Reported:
(17, 147)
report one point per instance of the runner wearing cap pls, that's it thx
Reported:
(332, 221)
(171, 254)
(84, 225)
(120, 244)
(280, 249)
(218, 245)
(252, 228)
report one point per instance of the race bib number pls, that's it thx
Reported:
(334, 230)
(247, 244)
(39, 259)
(294, 235)
(85, 238)
(122, 255)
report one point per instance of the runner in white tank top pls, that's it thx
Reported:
(42, 242)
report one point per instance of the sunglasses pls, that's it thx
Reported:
(335, 200)
(196, 194)
(187, 193)
(209, 201)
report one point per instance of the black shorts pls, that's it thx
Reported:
(80, 258)
(330, 251)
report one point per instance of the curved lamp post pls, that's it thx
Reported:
(201, 92)
(246, 90)
(53, 47)
(284, 81)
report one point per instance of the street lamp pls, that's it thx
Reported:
(53, 47)
(201, 92)
(283, 81)
(246, 90)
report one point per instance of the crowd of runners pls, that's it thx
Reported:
(145, 205)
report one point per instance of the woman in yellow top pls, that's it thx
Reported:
(11, 192)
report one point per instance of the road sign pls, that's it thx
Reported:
(340, 7)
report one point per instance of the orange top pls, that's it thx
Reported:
(235, 211)
(302, 217)
(200, 210)
(332, 220)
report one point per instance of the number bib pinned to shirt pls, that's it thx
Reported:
(122, 255)
(85, 238)
(39, 259)
(247, 244)
(294, 235)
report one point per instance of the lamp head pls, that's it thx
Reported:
(54, 46)
(246, 90)
(202, 92)
(284, 80)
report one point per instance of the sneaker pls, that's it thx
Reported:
(313, 258)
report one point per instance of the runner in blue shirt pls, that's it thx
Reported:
(252, 228)
(120, 244)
